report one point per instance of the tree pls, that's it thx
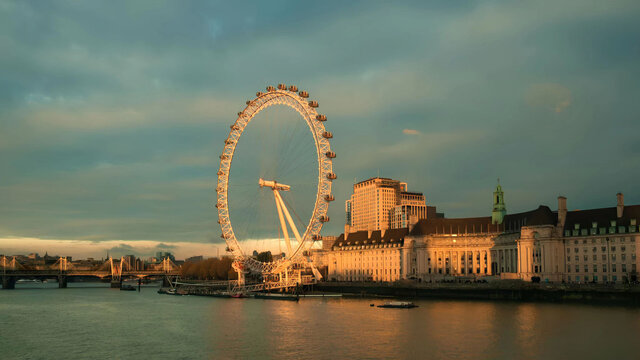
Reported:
(265, 256)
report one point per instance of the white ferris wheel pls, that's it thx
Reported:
(297, 243)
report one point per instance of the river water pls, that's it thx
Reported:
(39, 321)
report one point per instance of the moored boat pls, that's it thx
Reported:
(398, 305)
(277, 296)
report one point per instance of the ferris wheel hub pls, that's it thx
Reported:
(273, 185)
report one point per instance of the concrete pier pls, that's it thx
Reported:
(62, 282)
(8, 282)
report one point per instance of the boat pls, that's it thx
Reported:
(239, 296)
(167, 291)
(398, 305)
(277, 296)
(27, 281)
(127, 288)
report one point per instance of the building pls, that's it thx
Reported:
(597, 245)
(194, 258)
(165, 254)
(365, 256)
(382, 203)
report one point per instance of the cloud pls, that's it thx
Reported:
(550, 96)
(410, 132)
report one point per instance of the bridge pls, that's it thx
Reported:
(116, 270)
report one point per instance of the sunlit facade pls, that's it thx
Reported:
(588, 246)
(381, 203)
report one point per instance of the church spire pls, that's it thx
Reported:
(499, 208)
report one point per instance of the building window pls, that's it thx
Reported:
(604, 257)
(569, 258)
(577, 258)
(604, 267)
(586, 268)
(577, 268)
(604, 249)
(613, 268)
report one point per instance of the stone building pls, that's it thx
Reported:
(597, 245)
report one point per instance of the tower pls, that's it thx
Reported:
(499, 209)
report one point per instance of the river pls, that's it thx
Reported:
(88, 320)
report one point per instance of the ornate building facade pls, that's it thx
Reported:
(598, 245)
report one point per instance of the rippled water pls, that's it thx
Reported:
(96, 322)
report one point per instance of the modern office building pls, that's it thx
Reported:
(382, 203)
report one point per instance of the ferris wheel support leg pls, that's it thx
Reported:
(289, 219)
(240, 278)
(282, 223)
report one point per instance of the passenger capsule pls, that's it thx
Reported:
(329, 198)
(259, 93)
(248, 102)
(240, 113)
(313, 104)
(320, 117)
(282, 87)
(316, 237)
(234, 127)
(330, 154)
(324, 219)
(223, 157)
(227, 249)
(271, 88)
(220, 172)
(293, 88)
(303, 94)
(327, 135)
(228, 141)
(331, 176)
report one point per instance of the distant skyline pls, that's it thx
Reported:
(113, 113)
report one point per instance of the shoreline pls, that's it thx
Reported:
(518, 292)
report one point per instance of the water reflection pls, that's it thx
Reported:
(150, 325)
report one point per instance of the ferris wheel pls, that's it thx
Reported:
(307, 109)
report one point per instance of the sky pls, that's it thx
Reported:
(113, 113)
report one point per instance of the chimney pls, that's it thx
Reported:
(620, 206)
(562, 210)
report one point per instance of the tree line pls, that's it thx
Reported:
(216, 268)
(208, 269)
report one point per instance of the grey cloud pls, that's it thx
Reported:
(114, 113)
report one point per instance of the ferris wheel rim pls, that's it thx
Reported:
(307, 110)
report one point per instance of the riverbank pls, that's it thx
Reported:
(503, 290)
